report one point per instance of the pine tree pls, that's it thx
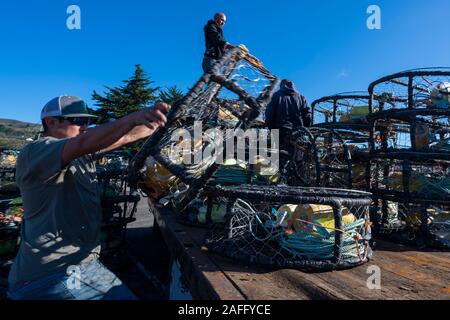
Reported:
(134, 95)
(171, 95)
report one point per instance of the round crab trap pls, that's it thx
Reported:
(176, 161)
(410, 151)
(410, 111)
(346, 113)
(423, 224)
(312, 229)
(119, 204)
(318, 158)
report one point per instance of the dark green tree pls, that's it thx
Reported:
(136, 94)
(171, 95)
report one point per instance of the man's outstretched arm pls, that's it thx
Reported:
(110, 136)
(137, 133)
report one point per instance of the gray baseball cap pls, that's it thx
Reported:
(66, 106)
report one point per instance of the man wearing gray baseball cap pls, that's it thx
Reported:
(59, 250)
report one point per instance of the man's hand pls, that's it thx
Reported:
(151, 118)
(243, 48)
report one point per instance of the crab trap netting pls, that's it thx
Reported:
(346, 113)
(409, 142)
(412, 131)
(175, 163)
(305, 228)
(412, 178)
(119, 203)
(411, 110)
(318, 158)
(420, 224)
(416, 89)
(414, 198)
(343, 108)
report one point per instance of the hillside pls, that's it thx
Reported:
(13, 133)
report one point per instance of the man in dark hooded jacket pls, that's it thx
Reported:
(215, 41)
(287, 110)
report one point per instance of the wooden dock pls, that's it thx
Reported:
(406, 273)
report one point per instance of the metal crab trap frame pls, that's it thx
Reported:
(346, 113)
(410, 149)
(319, 157)
(230, 97)
(313, 229)
(119, 204)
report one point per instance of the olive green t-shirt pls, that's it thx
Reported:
(62, 219)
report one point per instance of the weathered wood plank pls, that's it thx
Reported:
(205, 279)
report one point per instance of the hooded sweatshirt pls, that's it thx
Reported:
(288, 109)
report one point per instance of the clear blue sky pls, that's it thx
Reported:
(323, 46)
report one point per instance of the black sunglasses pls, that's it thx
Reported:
(79, 121)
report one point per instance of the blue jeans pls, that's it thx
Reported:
(92, 281)
(208, 63)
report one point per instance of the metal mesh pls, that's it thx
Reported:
(415, 89)
(410, 153)
(320, 158)
(413, 223)
(428, 179)
(261, 227)
(350, 108)
(346, 114)
(228, 98)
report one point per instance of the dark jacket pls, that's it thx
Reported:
(288, 109)
(214, 40)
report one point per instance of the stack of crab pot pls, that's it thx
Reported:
(346, 114)
(410, 151)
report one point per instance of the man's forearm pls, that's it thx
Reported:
(105, 135)
(138, 133)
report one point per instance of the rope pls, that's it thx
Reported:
(303, 244)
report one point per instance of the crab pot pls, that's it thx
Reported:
(410, 151)
(411, 110)
(230, 97)
(412, 176)
(311, 229)
(414, 197)
(423, 223)
(420, 89)
(319, 158)
(258, 168)
(346, 113)
(344, 108)
(119, 205)
(411, 130)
